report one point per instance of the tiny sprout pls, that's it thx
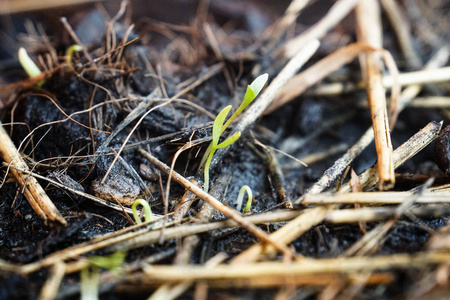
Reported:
(252, 92)
(89, 279)
(240, 199)
(217, 126)
(28, 65)
(147, 211)
(111, 262)
(71, 51)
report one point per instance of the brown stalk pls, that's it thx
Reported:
(369, 31)
(20, 6)
(426, 75)
(299, 83)
(100, 201)
(275, 32)
(51, 286)
(370, 214)
(375, 198)
(230, 213)
(285, 234)
(306, 266)
(146, 234)
(407, 150)
(33, 191)
(144, 282)
(336, 13)
(402, 29)
(406, 97)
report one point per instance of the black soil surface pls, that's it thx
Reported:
(168, 49)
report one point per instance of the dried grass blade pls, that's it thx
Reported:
(33, 191)
(369, 31)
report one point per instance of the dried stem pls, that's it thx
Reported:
(369, 31)
(370, 214)
(230, 213)
(336, 13)
(407, 150)
(403, 31)
(303, 267)
(33, 191)
(375, 198)
(285, 234)
(51, 286)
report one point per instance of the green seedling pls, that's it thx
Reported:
(240, 199)
(28, 65)
(252, 92)
(89, 275)
(147, 211)
(71, 51)
(217, 126)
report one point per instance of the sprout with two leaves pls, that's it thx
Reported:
(219, 127)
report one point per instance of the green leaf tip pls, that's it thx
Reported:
(28, 64)
(218, 123)
(258, 84)
(252, 92)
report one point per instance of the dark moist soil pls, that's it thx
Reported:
(63, 146)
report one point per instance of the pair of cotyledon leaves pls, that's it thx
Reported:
(219, 127)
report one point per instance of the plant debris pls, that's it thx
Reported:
(335, 152)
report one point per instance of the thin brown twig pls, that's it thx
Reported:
(144, 282)
(402, 29)
(375, 198)
(337, 12)
(77, 40)
(33, 191)
(77, 192)
(230, 213)
(404, 152)
(285, 234)
(141, 108)
(274, 33)
(167, 273)
(371, 214)
(369, 31)
(341, 164)
(51, 286)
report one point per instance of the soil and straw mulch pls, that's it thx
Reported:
(338, 149)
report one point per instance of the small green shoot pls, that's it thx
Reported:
(217, 126)
(240, 199)
(89, 283)
(28, 65)
(111, 262)
(252, 92)
(71, 51)
(89, 279)
(147, 211)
